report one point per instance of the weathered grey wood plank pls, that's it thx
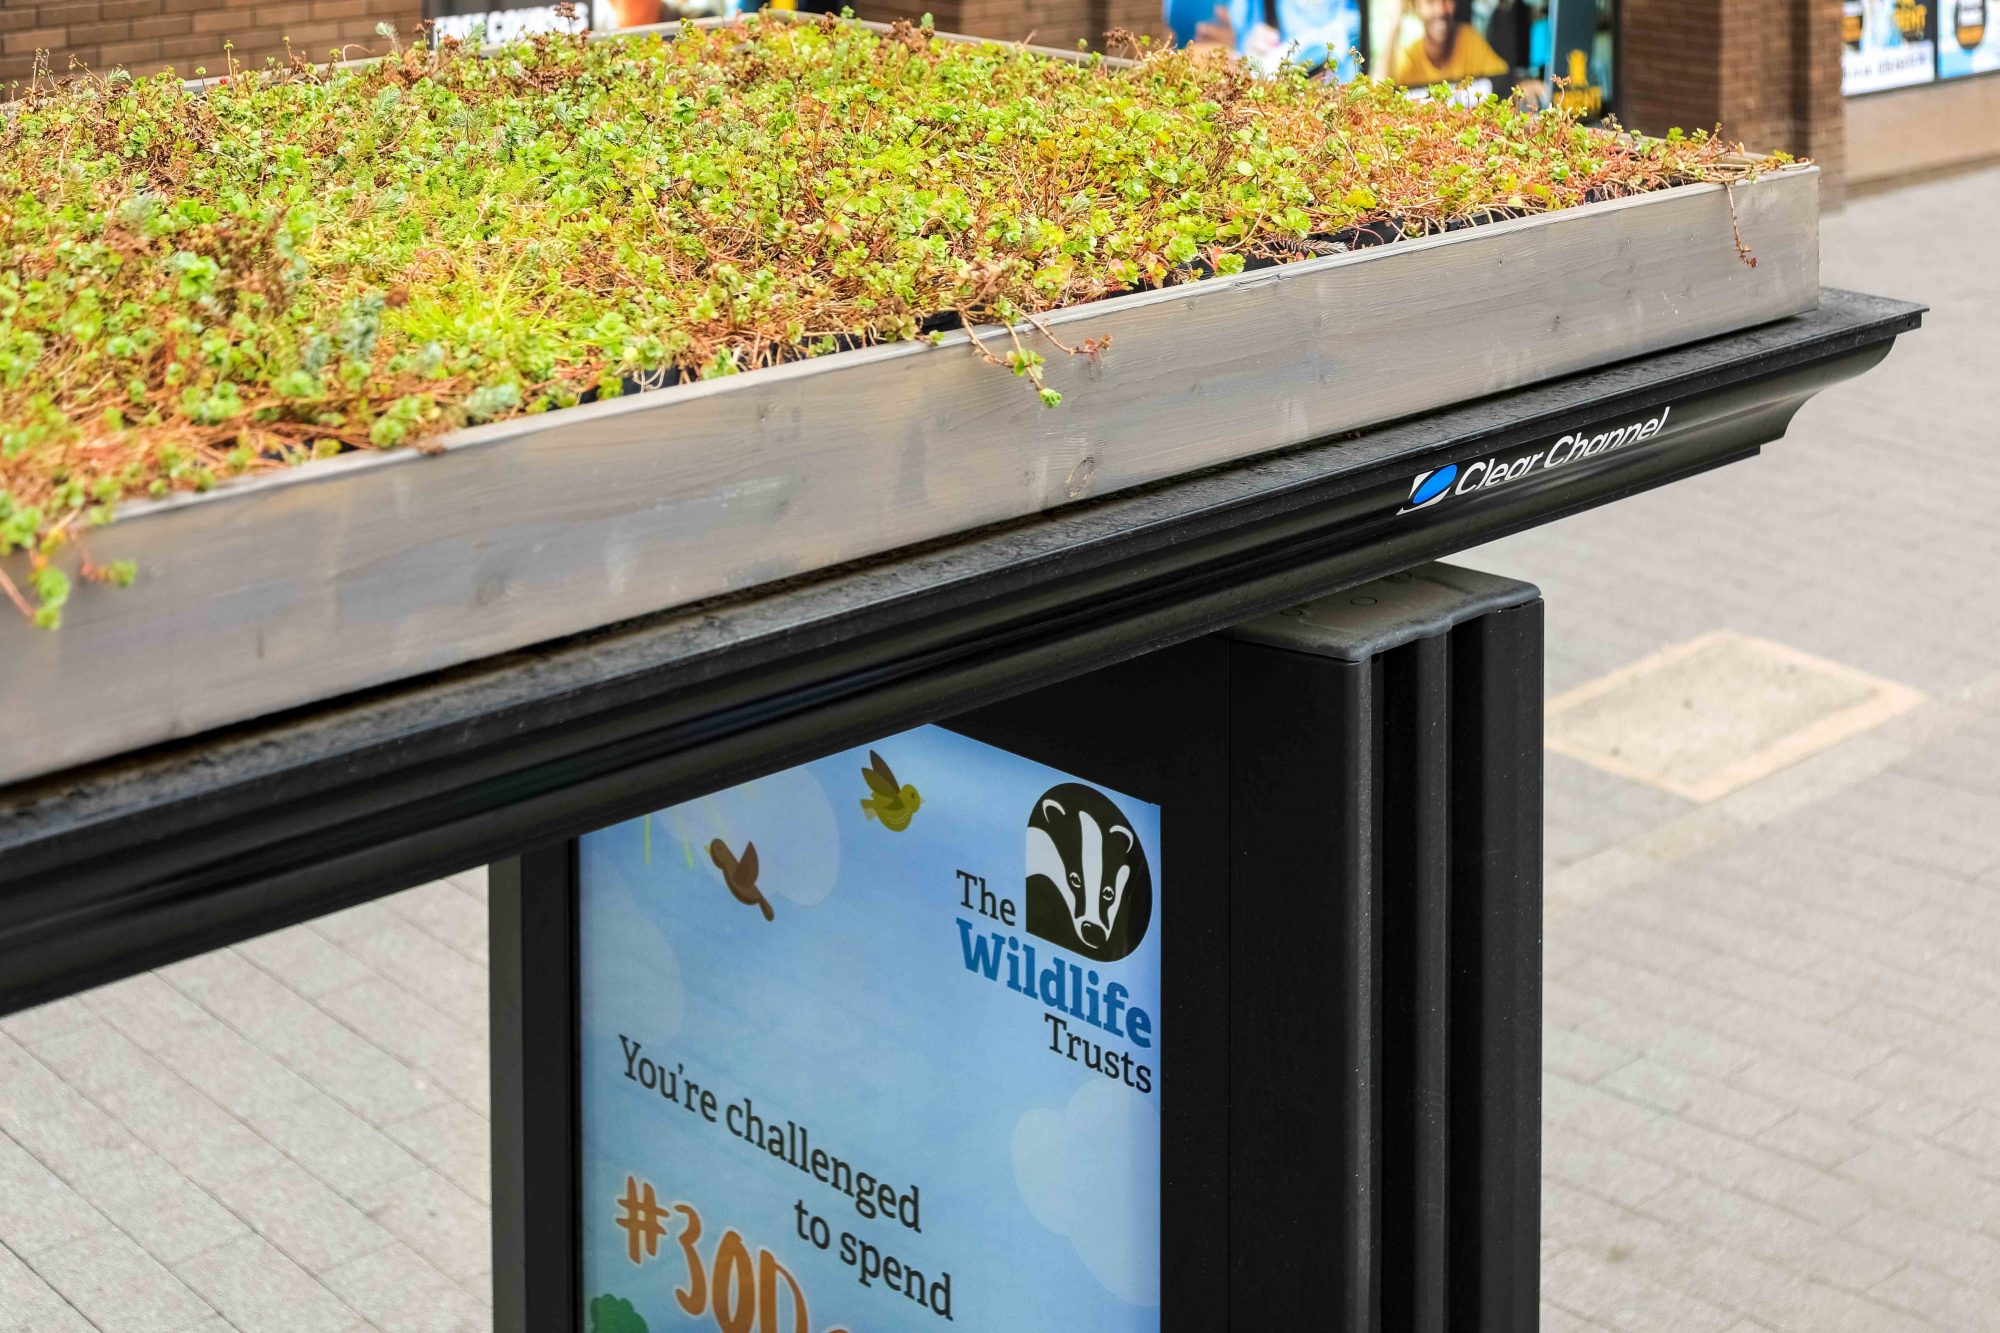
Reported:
(283, 590)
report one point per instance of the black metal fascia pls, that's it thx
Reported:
(134, 862)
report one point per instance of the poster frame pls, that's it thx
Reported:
(536, 994)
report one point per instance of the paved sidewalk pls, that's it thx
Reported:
(1773, 1041)
(285, 1137)
(1772, 1063)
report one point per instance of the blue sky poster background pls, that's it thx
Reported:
(852, 1012)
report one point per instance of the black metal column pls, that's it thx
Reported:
(1496, 950)
(531, 922)
(1386, 928)
(1304, 991)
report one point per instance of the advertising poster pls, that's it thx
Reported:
(874, 1043)
(1887, 44)
(1968, 42)
(1552, 52)
(509, 20)
(1322, 35)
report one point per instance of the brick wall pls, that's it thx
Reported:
(1061, 23)
(147, 35)
(1767, 71)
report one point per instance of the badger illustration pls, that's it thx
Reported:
(1089, 889)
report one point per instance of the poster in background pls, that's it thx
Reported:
(1547, 51)
(510, 20)
(1968, 38)
(1887, 44)
(1322, 35)
(874, 1043)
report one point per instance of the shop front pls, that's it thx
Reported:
(1915, 78)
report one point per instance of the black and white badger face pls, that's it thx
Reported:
(1089, 889)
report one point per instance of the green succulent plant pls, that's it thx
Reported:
(300, 260)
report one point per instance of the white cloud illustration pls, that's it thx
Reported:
(786, 814)
(1092, 1173)
(629, 965)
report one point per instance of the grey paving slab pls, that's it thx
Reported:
(454, 1141)
(337, 1146)
(438, 1220)
(254, 1285)
(306, 961)
(28, 1304)
(56, 1123)
(307, 1039)
(448, 1053)
(448, 913)
(157, 1205)
(395, 1289)
(119, 1288)
(203, 1141)
(304, 1218)
(38, 1210)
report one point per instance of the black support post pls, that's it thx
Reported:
(1496, 847)
(1385, 907)
(1413, 700)
(531, 915)
(1304, 984)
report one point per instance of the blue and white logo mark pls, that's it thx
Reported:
(1430, 487)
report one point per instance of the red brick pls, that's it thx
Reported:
(180, 48)
(163, 25)
(96, 34)
(63, 13)
(34, 39)
(312, 35)
(128, 54)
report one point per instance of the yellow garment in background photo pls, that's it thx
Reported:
(1471, 58)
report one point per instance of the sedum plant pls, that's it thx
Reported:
(299, 261)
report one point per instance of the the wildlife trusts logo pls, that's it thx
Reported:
(1090, 889)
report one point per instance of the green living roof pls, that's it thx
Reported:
(200, 283)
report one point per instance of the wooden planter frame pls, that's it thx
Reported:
(285, 589)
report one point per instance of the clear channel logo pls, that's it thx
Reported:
(1428, 488)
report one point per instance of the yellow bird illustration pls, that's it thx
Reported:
(740, 876)
(892, 804)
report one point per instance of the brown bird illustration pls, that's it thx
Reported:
(740, 876)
